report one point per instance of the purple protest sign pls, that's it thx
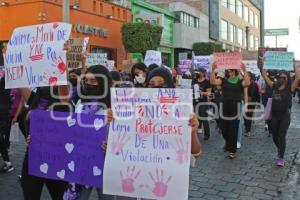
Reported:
(67, 149)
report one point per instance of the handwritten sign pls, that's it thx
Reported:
(185, 83)
(96, 59)
(149, 143)
(185, 66)
(228, 60)
(110, 64)
(35, 56)
(153, 57)
(262, 51)
(64, 149)
(279, 60)
(202, 62)
(74, 57)
(252, 67)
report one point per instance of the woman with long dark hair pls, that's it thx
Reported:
(232, 91)
(281, 108)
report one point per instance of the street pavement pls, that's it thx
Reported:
(252, 175)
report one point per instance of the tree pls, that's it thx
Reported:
(140, 37)
(206, 48)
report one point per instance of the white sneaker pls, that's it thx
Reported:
(266, 127)
(238, 145)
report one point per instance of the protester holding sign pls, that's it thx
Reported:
(232, 90)
(281, 108)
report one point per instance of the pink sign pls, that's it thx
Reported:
(228, 60)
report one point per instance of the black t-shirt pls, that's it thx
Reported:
(253, 92)
(281, 100)
(203, 87)
(5, 101)
(232, 91)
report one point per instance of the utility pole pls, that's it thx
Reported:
(66, 11)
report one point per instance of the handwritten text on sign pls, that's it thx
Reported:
(96, 59)
(149, 143)
(251, 66)
(228, 60)
(279, 60)
(35, 56)
(153, 57)
(202, 62)
(64, 150)
(74, 57)
(185, 66)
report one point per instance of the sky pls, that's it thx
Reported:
(284, 14)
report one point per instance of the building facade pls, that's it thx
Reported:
(240, 25)
(101, 21)
(148, 13)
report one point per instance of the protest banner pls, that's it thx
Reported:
(185, 83)
(279, 60)
(185, 66)
(96, 59)
(153, 57)
(232, 60)
(67, 147)
(149, 143)
(251, 66)
(202, 62)
(35, 56)
(74, 57)
(262, 51)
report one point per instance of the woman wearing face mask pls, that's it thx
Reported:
(281, 108)
(74, 76)
(232, 91)
(162, 78)
(138, 74)
(94, 99)
(204, 91)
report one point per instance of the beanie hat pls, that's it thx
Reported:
(164, 73)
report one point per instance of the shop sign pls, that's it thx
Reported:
(90, 30)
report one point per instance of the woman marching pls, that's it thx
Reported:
(232, 91)
(283, 89)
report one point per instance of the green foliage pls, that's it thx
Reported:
(140, 37)
(206, 48)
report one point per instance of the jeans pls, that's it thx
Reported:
(85, 194)
(4, 125)
(32, 186)
(280, 125)
(203, 119)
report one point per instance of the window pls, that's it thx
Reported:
(101, 7)
(113, 10)
(124, 15)
(235, 39)
(224, 30)
(188, 20)
(240, 37)
(232, 6)
(240, 8)
(197, 25)
(119, 13)
(256, 21)
(231, 33)
(256, 43)
(246, 13)
(94, 6)
(225, 3)
(251, 16)
(251, 41)
(192, 21)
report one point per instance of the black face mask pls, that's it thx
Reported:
(90, 90)
(73, 81)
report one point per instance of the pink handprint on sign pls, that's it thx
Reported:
(118, 144)
(128, 181)
(182, 151)
(60, 65)
(160, 188)
(165, 109)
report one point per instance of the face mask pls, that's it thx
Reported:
(140, 79)
(73, 81)
(90, 90)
